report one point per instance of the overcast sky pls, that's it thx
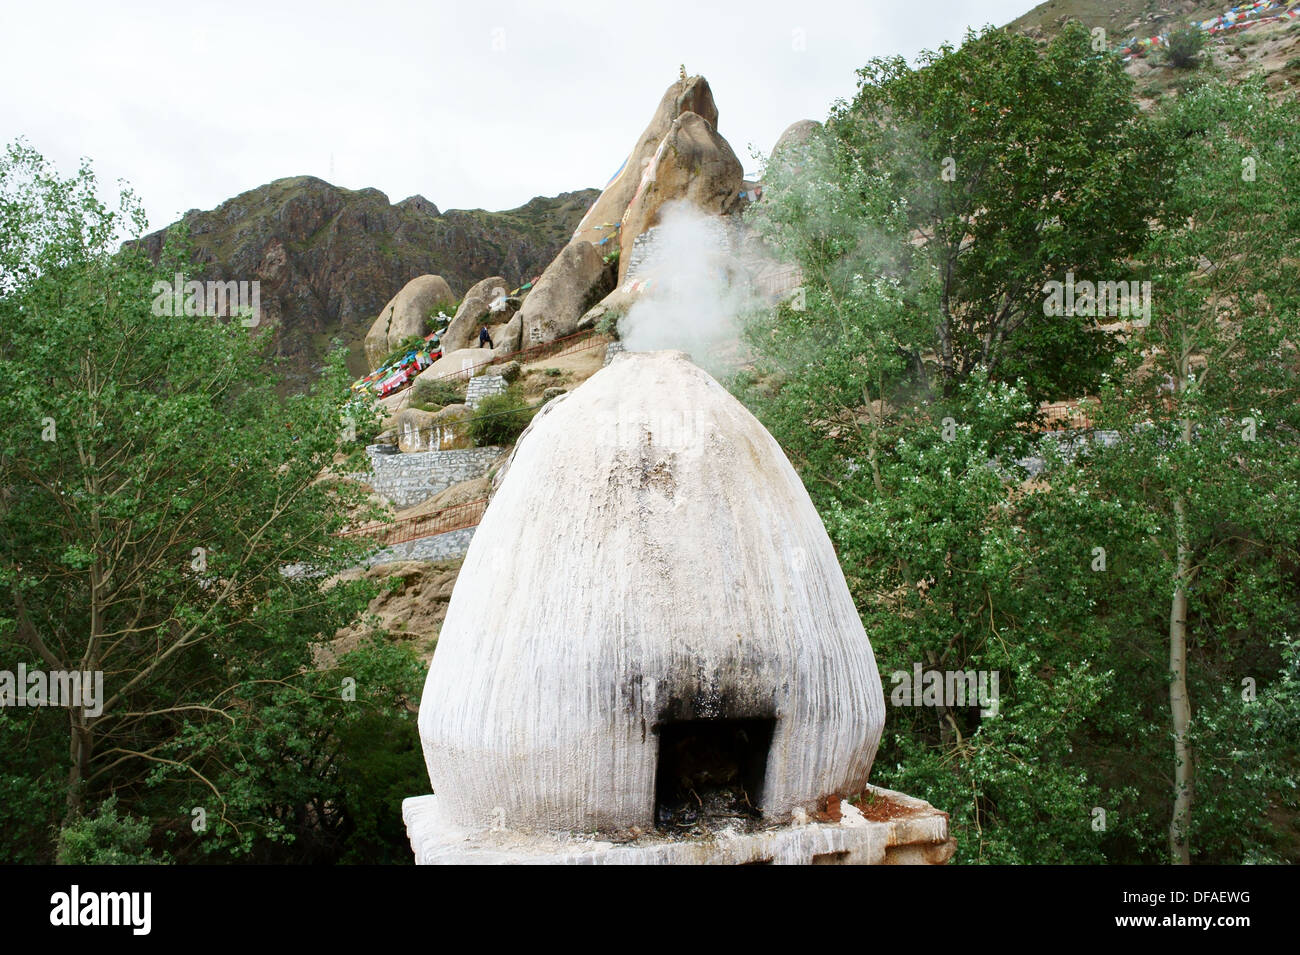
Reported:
(472, 104)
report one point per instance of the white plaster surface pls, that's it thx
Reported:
(649, 555)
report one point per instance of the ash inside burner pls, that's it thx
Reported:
(710, 774)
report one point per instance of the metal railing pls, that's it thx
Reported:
(442, 521)
(1068, 417)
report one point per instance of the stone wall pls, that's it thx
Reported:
(409, 479)
(482, 386)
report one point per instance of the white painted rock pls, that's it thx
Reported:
(651, 556)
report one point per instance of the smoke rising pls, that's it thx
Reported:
(697, 292)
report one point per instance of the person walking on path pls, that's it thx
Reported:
(484, 338)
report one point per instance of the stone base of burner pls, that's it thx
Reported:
(919, 837)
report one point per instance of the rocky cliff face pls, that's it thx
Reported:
(329, 258)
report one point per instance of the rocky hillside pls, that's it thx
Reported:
(329, 258)
(1271, 48)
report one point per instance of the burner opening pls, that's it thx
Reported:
(710, 773)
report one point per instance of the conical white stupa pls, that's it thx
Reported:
(651, 557)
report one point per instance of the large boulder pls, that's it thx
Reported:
(569, 286)
(692, 163)
(689, 95)
(796, 135)
(405, 315)
(430, 430)
(484, 304)
(508, 338)
(415, 431)
(792, 146)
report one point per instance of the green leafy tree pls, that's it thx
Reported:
(973, 179)
(1169, 525)
(948, 561)
(1205, 461)
(156, 496)
(1185, 47)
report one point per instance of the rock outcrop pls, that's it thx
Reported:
(406, 314)
(679, 156)
(329, 258)
(795, 135)
(792, 145)
(418, 430)
(484, 304)
(689, 95)
(576, 280)
(693, 163)
(415, 431)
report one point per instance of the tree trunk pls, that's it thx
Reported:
(1179, 705)
(81, 741)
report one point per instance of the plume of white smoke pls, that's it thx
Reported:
(698, 291)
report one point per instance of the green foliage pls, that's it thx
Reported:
(310, 774)
(1206, 464)
(155, 488)
(403, 348)
(500, 419)
(969, 182)
(955, 562)
(105, 838)
(1185, 48)
(608, 324)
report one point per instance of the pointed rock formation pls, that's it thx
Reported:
(689, 95)
(693, 163)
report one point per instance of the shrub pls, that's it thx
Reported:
(1185, 48)
(105, 838)
(500, 419)
(608, 324)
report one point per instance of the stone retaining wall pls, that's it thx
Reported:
(410, 479)
(482, 386)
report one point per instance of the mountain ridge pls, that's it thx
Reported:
(328, 257)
